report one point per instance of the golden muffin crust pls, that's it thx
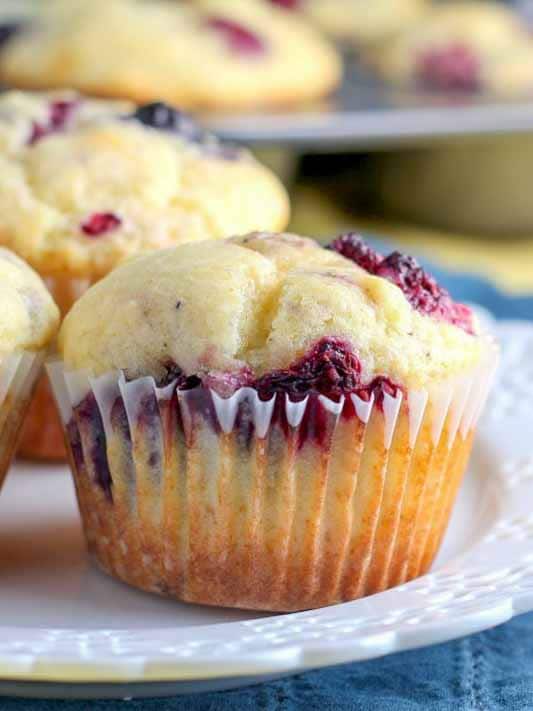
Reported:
(84, 184)
(463, 44)
(257, 303)
(212, 53)
(29, 317)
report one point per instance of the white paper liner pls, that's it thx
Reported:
(335, 499)
(462, 398)
(363, 408)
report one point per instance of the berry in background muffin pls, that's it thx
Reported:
(290, 426)
(462, 45)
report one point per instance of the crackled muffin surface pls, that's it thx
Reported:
(467, 45)
(211, 53)
(29, 317)
(85, 184)
(275, 312)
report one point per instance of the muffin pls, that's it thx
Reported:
(480, 185)
(86, 184)
(268, 424)
(470, 45)
(28, 323)
(208, 54)
(364, 24)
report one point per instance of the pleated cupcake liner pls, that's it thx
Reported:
(42, 434)
(19, 372)
(269, 505)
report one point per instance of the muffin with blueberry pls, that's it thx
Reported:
(206, 54)
(28, 323)
(268, 424)
(465, 45)
(85, 184)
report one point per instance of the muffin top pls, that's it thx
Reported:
(29, 317)
(203, 54)
(273, 312)
(466, 44)
(85, 184)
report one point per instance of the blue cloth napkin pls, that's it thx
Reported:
(486, 672)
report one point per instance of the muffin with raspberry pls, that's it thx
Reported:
(85, 184)
(268, 424)
(465, 45)
(210, 54)
(28, 323)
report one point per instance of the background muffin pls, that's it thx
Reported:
(88, 185)
(208, 54)
(290, 427)
(28, 323)
(85, 185)
(363, 23)
(469, 45)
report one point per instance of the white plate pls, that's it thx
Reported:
(67, 630)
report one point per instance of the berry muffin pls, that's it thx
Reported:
(361, 23)
(481, 186)
(85, 184)
(207, 54)
(28, 323)
(266, 423)
(470, 45)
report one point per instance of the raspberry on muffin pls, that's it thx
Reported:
(207, 54)
(271, 424)
(420, 288)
